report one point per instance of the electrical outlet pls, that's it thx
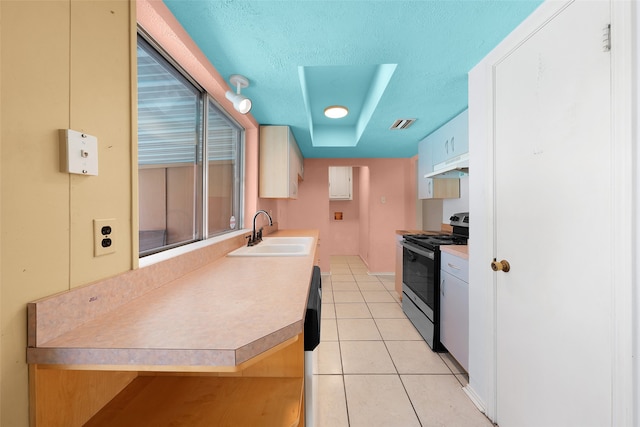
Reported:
(104, 231)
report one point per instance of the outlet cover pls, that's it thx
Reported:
(104, 240)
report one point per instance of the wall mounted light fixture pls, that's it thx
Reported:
(241, 103)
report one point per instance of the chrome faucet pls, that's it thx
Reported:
(256, 238)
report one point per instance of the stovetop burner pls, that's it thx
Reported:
(434, 241)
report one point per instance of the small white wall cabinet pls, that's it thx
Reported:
(454, 307)
(281, 163)
(340, 183)
(433, 188)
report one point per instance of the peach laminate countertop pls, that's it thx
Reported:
(461, 251)
(219, 315)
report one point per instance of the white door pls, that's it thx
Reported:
(553, 224)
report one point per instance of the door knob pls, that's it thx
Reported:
(500, 265)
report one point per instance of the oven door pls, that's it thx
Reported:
(419, 273)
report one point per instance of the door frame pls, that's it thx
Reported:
(623, 111)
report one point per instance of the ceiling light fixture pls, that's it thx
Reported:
(336, 111)
(241, 103)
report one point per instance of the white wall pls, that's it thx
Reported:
(481, 361)
(636, 217)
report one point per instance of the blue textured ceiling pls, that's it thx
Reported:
(384, 60)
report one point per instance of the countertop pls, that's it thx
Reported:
(219, 315)
(461, 251)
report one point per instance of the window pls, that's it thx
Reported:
(189, 151)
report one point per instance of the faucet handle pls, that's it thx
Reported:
(259, 235)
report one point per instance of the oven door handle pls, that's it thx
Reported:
(420, 251)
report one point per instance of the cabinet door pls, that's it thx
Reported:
(454, 317)
(437, 188)
(458, 135)
(280, 163)
(425, 186)
(340, 186)
(450, 140)
(294, 165)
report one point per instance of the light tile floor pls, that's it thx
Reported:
(372, 368)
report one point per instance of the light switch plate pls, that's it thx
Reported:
(104, 236)
(79, 152)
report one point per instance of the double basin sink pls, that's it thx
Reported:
(277, 246)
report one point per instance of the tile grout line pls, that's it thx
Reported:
(448, 363)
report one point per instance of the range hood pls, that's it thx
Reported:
(455, 167)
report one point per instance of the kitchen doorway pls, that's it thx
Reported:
(349, 217)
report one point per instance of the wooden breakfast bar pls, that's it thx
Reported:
(219, 342)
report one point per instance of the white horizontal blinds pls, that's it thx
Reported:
(223, 147)
(169, 112)
(222, 136)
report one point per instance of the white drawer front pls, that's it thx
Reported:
(455, 266)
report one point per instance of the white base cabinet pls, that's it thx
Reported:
(454, 307)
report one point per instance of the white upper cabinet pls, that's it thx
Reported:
(451, 140)
(281, 163)
(449, 148)
(340, 183)
(433, 188)
(441, 156)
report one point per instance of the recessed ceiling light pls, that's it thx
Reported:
(336, 111)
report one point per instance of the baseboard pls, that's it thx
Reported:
(473, 396)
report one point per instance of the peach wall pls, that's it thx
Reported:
(364, 185)
(390, 179)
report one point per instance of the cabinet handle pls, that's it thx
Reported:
(453, 266)
(430, 191)
(446, 146)
(442, 288)
(453, 147)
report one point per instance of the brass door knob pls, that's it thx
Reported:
(500, 265)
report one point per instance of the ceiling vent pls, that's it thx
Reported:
(402, 124)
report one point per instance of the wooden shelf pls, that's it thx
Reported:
(204, 401)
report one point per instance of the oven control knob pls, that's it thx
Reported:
(500, 266)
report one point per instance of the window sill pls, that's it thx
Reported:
(172, 253)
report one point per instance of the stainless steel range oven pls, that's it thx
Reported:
(421, 277)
